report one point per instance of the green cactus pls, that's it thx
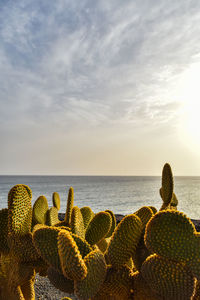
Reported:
(118, 283)
(124, 240)
(52, 216)
(19, 210)
(60, 281)
(141, 290)
(19, 261)
(172, 235)
(167, 278)
(103, 245)
(197, 292)
(141, 253)
(87, 214)
(72, 263)
(45, 241)
(144, 213)
(56, 200)
(166, 191)
(174, 202)
(113, 225)
(83, 246)
(98, 228)
(77, 224)
(40, 209)
(17, 280)
(96, 273)
(4, 248)
(154, 210)
(70, 204)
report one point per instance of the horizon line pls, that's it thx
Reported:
(96, 175)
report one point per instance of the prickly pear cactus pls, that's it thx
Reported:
(98, 228)
(40, 209)
(172, 235)
(72, 263)
(124, 241)
(19, 261)
(96, 273)
(56, 200)
(77, 223)
(70, 204)
(87, 215)
(166, 191)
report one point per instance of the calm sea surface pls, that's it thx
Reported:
(121, 194)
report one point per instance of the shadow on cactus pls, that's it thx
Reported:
(19, 258)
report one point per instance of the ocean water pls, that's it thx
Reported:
(121, 194)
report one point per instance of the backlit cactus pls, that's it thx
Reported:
(70, 204)
(77, 223)
(87, 214)
(118, 284)
(113, 224)
(45, 241)
(96, 273)
(172, 235)
(4, 248)
(166, 191)
(40, 209)
(148, 255)
(141, 290)
(144, 213)
(98, 228)
(124, 240)
(20, 260)
(72, 263)
(19, 210)
(60, 281)
(56, 200)
(167, 278)
(52, 216)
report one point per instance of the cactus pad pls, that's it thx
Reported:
(167, 278)
(45, 241)
(144, 213)
(166, 191)
(172, 235)
(98, 227)
(77, 224)
(4, 248)
(60, 281)
(40, 208)
(19, 209)
(70, 204)
(72, 263)
(96, 273)
(118, 283)
(52, 216)
(56, 200)
(87, 214)
(113, 224)
(124, 240)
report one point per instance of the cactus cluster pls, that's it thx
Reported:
(19, 260)
(149, 254)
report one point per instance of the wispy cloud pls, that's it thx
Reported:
(93, 64)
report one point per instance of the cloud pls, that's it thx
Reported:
(113, 65)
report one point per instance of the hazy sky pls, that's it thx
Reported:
(99, 87)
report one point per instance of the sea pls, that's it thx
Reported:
(121, 194)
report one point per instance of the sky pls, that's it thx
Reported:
(99, 87)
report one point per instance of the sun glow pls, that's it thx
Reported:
(189, 95)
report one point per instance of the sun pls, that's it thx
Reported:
(189, 95)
